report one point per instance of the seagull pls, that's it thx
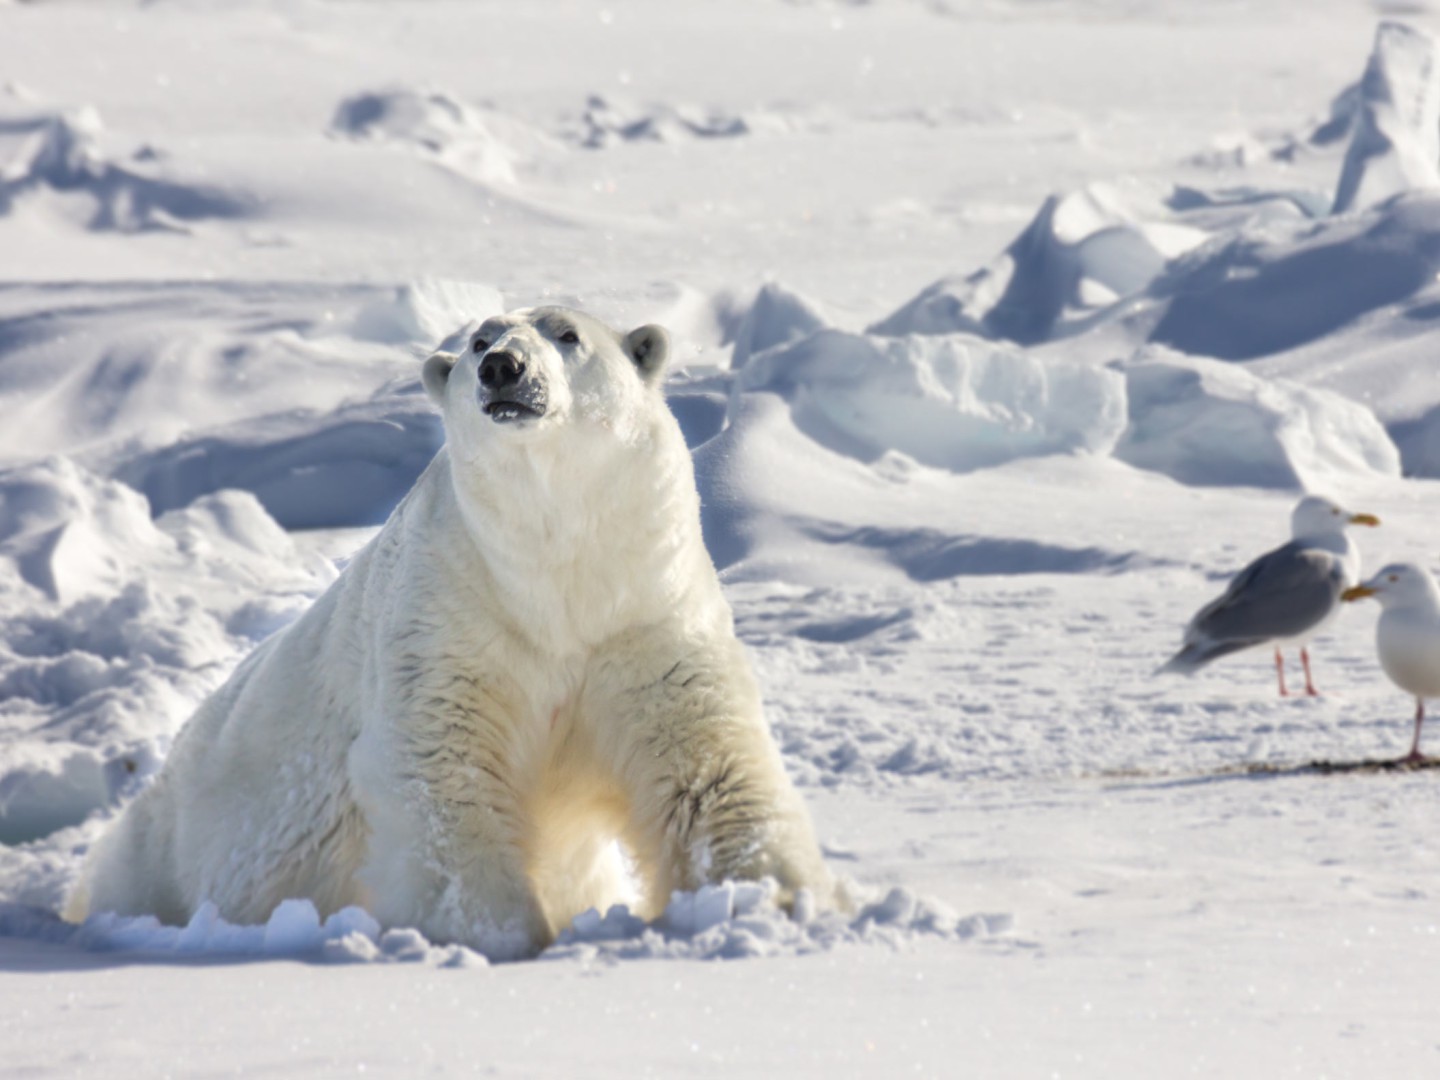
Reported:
(1407, 637)
(1286, 596)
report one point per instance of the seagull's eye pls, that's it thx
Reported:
(1334, 511)
(480, 345)
(1394, 577)
(569, 337)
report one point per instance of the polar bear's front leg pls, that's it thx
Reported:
(445, 850)
(709, 797)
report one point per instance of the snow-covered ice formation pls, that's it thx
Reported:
(1395, 138)
(1082, 252)
(775, 316)
(481, 144)
(608, 120)
(60, 152)
(1253, 293)
(1207, 422)
(953, 402)
(112, 623)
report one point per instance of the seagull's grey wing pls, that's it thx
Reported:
(1282, 594)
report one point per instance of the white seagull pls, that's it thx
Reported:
(1284, 597)
(1407, 637)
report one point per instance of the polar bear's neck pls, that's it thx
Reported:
(585, 539)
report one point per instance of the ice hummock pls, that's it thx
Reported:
(1210, 423)
(481, 144)
(1082, 252)
(953, 402)
(1395, 137)
(60, 151)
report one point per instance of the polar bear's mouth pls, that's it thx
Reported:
(506, 412)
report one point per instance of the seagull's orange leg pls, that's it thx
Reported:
(1415, 754)
(1309, 682)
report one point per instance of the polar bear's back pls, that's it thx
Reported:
(255, 789)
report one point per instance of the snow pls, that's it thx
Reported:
(1395, 143)
(947, 402)
(1004, 335)
(1206, 422)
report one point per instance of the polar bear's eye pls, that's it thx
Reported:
(480, 345)
(570, 337)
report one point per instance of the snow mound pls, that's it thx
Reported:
(737, 920)
(777, 316)
(111, 371)
(115, 625)
(1081, 253)
(1395, 141)
(482, 144)
(294, 930)
(1206, 422)
(605, 121)
(348, 467)
(1263, 290)
(430, 313)
(60, 152)
(733, 920)
(953, 402)
(1418, 441)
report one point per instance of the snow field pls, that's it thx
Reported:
(1005, 338)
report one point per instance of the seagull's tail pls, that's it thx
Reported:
(1196, 654)
(1187, 661)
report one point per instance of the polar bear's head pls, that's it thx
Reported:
(539, 369)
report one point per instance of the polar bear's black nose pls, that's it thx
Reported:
(499, 370)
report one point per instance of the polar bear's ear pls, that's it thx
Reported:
(436, 373)
(649, 347)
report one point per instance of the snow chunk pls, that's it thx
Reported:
(430, 312)
(1263, 290)
(952, 402)
(113, 626)
(348, 467)
(777, 316)
(483, 145)
(65, 533)
(1207, 422)
(294, 929)
(605, 121)
(1395, 144)
(60, 151)
(1419, 443)
(737, 920)
(1080, 254)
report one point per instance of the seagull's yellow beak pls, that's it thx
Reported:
(1364, 519)
(1357, 592)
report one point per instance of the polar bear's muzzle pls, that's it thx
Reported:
(506, 393)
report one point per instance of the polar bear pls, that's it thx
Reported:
(530, 669)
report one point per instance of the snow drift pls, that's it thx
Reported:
(60, 152)
(1080, 254)
(1395, 141)
(953, 402)
(1257, 292)
(481, 144)
(1206, 422)
(113, 624)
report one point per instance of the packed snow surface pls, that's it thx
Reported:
(1005, 335)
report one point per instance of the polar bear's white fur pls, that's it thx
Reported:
(531, 661)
